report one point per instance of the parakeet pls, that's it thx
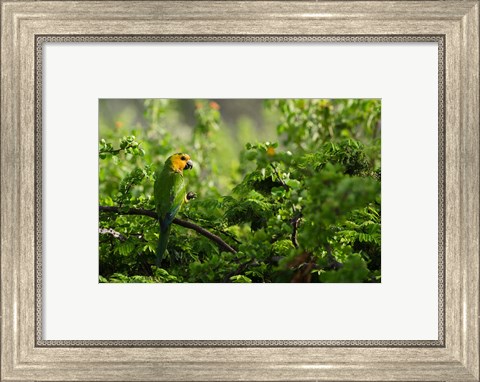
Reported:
(170, 194)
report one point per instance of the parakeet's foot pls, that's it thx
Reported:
(191, 195)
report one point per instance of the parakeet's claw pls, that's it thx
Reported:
(191, 195)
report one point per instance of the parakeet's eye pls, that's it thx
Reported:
(183, 158)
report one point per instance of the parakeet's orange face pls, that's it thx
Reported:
(180, 162)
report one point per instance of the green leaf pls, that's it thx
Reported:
(240, 279)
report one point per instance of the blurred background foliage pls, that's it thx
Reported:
(293, 185)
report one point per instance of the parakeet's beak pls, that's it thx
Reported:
(189, 165)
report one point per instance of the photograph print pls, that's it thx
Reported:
(239, 190)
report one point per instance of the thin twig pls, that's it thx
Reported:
(177, 221)
(239, 270)
(295, 222)
(285, 185)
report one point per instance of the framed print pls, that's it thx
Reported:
(240, 190)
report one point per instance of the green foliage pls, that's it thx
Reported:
(305, 208)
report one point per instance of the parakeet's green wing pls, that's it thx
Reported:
(169, 191)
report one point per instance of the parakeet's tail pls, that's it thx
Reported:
(162, 244)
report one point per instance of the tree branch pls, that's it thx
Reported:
(112, 232)
(152, 214)
(295, 223)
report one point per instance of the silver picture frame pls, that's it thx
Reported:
(27, 26)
